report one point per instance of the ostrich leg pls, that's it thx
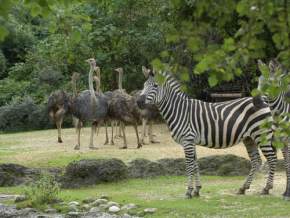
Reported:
(107, 136)
(137, 135)
(78, 129)
(150, 133)
(112, 131)
(124, 136)
(93, 130)
(58, 121)
(144, 122)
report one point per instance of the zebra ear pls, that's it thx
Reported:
(274, 66)
(260, 63)
(145, 71)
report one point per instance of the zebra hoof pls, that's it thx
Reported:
(124, 147)
(77, 147)
(265, 192)
(154, 142)
(188, 195)
(241, 191)
(139, 145)
(106, 143)
(59, 140)
(112, 143)
(196, 194)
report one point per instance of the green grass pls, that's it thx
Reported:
(217, 199)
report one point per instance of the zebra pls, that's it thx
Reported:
(279, 107)
(214, 125)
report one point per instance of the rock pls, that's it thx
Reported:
(224, 165)
(114, 209)
(126, 216)
(92, 171)
(129, 206)
(85, 207)
(15, 174)
(173, 166)
(105, 197)
(94, 210)
(150, 210)
(20, 198)
(50, 210)
(142, 168)
(74, 203)
(88, 200)
(73, 208)
(112, 203)
(99, 202)
(73, 214)
(103, 206)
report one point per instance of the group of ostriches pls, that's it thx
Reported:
(97, 108)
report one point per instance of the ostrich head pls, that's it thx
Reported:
(92, 62)
(75, 76)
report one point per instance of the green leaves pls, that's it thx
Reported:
(212, 80)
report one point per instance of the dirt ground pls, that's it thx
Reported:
(41, 147)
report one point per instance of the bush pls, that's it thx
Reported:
(91, 172)
(2, 65)
(23, 115)
(142, 168)
(43, 191)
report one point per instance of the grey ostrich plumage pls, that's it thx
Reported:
(84, 112)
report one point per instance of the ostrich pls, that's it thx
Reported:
(59, 105)
(121, 109)
(89, 106)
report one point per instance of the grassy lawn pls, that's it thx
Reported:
(217, 199)
(40, 149)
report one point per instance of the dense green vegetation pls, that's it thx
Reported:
(204, 42)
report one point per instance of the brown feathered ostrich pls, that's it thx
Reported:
(89, 106)
(59, 105)
(121, 109)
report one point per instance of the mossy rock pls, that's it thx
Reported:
(142, 168)
(93, 171)
(174, 167)
(224, 165)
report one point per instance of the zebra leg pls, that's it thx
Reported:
(270, 154)
(256, 163)
(286, 155)
(191, 167)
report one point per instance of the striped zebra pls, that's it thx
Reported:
(279, 107)
(214, 125)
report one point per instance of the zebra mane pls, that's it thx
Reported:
(171, 81)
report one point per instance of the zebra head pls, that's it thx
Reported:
(273, 68)
(149, 94)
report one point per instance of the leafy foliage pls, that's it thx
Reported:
(43, 191)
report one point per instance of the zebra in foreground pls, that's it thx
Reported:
(280, 107)
(214, 125)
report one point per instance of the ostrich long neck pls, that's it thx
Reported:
(120, 80)
(74, 87)
(91, 86)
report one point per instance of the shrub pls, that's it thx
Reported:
(23, 115)
(43, 191)
(91, 172)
